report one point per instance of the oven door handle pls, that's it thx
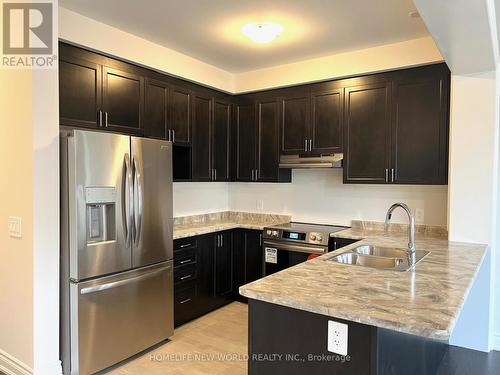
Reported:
(296, 248)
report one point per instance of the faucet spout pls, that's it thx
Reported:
(411, 226)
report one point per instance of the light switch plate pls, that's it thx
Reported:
(260, 205)
(337, 337)
(419, 215)
(15, 227)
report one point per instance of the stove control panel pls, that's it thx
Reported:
(316, 237)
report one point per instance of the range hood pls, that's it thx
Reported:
(311, 161)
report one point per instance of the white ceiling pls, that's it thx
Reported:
(209, 29)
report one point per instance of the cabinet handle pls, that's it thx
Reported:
(221, 240)
(310, 145)
(173, 136)
(100, 118)
(168, 135)
(215, 174)
(106, 119)
(305, 147)
(256, 175)
(184, 301)
(260, 239)
(185, 261)
(185, 245)
(386, 175)
(392, 174)
(186, 277)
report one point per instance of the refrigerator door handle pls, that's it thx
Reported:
(127, 199)
(138, 186)
(115, 284)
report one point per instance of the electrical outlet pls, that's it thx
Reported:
(15, 227)
(337, 337)
(260, 205)
(419, 215)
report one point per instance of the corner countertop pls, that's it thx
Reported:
(426, 302)
(189, 226)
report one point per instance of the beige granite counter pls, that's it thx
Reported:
(425, 302)
(188, 226)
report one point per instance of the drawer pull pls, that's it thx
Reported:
(186, 277)
(185, 261)
(185, 245)
(185, 301)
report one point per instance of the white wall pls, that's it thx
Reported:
(319, 196)
(194, 198)
(473, 190)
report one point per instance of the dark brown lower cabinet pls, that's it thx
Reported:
(248, 257)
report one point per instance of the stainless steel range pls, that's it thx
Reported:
(289, 244)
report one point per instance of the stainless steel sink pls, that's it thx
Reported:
(381, 251)
(379, 257)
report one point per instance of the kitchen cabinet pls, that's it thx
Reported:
(396, 130)
(156, 109)
(223, 260)
(246, 141)
(220, 140)
(312, 121)
(367, 133)
(180, 105)
(202, 135)
(185, 280)
(248, 257)
(122, 100)
(79, 92)
(420, 127)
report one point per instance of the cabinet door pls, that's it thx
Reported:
(254, 260)
(123, 94)
(267, 140)
(221, 128)
(245, 134)
(79, 92)
(206, 275)
(327, 120)
(202, 115)
(420, 129)
(223, 264)
(155, 109)
(367, 131)
(295, 125)
(180, 115)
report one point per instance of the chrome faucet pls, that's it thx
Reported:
(411, 227)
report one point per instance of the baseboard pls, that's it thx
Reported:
(10, 365)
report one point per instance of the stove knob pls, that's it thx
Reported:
(313, 237)
(275, 233)
(319, 238)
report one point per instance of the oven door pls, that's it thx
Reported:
(279, 255)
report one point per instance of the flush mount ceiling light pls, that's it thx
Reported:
(263, 32)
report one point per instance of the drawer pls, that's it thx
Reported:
(185, 307)
(185, 257)
(185, 273)
(185, 243)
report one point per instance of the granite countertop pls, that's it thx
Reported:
(426, 302)
(189, 226)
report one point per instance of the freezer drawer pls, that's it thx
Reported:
(115, 317)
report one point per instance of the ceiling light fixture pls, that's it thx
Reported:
(264, 32)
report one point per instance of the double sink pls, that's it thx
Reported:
(380, 257)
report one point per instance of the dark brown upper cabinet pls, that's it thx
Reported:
(122, 100)
(312, 121)
(420, 127)
(79, 92)
(267, 116)
(397, 130)
(295, 123)
(202, 135)
(367, 133)
(220, 140)
(245, 135)
(156, 109)
(180, 115)
(326, 131)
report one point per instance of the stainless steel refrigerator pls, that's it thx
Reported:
(116, 248)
